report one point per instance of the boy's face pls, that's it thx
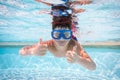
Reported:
(62, 36)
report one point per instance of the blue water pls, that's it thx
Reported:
(19, 17)
(17, 67)
(19, 22)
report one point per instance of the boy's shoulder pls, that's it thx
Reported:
(47, 42)
(74, 43)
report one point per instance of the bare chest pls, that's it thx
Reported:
(58, 53)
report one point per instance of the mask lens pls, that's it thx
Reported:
(56, 13)
(67, 34)
(55, 34)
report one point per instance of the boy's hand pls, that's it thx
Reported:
(40, 49)
(83, 2)
(26, 50)
(71, 55)
(38, 0)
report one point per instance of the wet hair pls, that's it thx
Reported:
(60, 7)
(61, 26)
(62, 18)
(62, 21)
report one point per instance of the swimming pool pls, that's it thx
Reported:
(20, 23)
(16, 67)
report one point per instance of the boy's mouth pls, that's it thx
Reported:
(61, 43)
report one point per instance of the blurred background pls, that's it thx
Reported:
(20, 21)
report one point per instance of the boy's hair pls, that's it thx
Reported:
(62, 18)
(61, 26)
(62, 21)
(60, 7)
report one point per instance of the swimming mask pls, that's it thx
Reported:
(59, 13)
(65, 34)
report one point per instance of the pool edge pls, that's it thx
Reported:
(83, 44)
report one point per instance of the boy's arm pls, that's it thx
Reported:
(44, 11)
(78, 10)
(38, 49)
(27, 50)
(43, 2)
(81, 2)
(84, 59)
(77, 54)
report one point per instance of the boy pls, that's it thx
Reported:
(62, 45)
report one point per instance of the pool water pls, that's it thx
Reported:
(19, 22)
(16, 67)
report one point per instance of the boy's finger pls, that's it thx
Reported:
(74, 48)
(41, 43)
(43, 51)
(44, 45)
(40, 40)
(69, 54)
(43, 48)
(69, 59)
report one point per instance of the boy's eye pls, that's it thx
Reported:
(67, 34)
(56, 34)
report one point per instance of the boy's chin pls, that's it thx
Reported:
(62, 43)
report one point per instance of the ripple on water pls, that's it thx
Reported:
(36, 74)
